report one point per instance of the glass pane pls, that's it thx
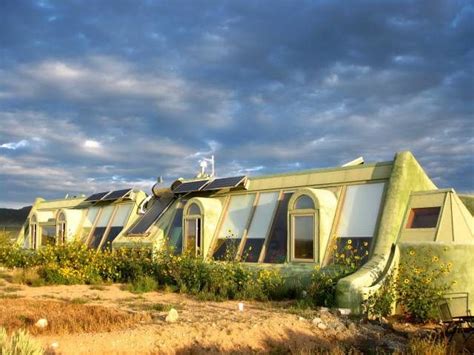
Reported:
(191, 228)
(121, 216)
(304, 237)
(105, 216)
(90, 217)
(252, 250)
(175, 234)
(424, 217)
(48, 234)
(97, 237)
(235, 222)
(237, 216)
(361, 209)
(276, 250)
(226, 249)
(304, 202)
(353, 247)
(262, 218)
(194, 209)
(113, 233)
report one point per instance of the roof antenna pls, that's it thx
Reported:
(203, 164)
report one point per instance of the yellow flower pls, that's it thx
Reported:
(449, 265)
(349, 242)
(406, 281)
(412, 252)
(435, 259)
(428, 280)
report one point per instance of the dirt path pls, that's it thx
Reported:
(204, 327)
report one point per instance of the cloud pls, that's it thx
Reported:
(106, 100)
(15, 145)
(92, 144)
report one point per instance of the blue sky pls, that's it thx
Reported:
(100, 95)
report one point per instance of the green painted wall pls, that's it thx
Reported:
(407, 176)
(468, 201)
(459, 254)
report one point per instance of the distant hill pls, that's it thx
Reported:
(10, 217)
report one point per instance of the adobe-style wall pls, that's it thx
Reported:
(407, 176)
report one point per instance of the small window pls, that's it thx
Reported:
(194, 209)
(304, 202)
(423, 217)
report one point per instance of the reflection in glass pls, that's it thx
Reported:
(303, 237)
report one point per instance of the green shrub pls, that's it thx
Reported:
(420, 286)
(379, 304)
(20, 343)
(324, 280)
(143, 284)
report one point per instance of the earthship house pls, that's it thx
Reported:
(293, 221)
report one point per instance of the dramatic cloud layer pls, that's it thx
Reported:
(109, 94)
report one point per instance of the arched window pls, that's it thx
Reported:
(303, 230)
(192, 230)
(304, 202)
(33, 232)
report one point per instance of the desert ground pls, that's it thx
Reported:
(108, 319)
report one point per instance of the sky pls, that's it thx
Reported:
(101, 95)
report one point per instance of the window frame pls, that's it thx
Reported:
(294, 212)
(61, 229)
(198, 220)
(412, 214)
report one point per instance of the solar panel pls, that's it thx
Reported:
(96, 197)
(225, 183)
(115, 195)
(191, 186)
(159, 207)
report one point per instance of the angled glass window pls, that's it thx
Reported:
(361, 209)
(235, 222)
(118, 222)
(175, 233)
(304, 202)
(101, 226)
(277, 243)
(260, 225)
(89, 220)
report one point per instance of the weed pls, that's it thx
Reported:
(10, 289)
(79, 300)
(142, 284)
(20, 342)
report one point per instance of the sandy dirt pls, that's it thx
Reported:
(204, 327)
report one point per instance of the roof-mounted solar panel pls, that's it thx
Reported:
(96, 197)
(191, 186)
(115, 195)
(160, 205)
(225, 183)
